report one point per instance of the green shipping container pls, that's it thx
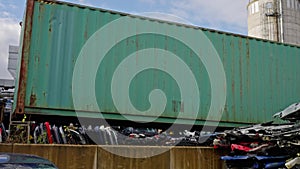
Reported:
(88, 62)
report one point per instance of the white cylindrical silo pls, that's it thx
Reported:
(277, 20)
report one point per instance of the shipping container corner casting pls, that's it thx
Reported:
(90, 62)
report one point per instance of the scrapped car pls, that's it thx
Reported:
(24, 161)
(291, 113)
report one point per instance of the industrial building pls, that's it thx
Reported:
(276, 20)
(7, 85)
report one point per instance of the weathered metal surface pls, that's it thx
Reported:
(23, 68)
(261, 76)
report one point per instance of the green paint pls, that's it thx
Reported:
(262, 77)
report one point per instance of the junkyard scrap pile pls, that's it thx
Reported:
(264, 145)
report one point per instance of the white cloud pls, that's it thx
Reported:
(229, 14)
(12, 6)
(85, 2)
(81, 2)
(152, 2)
(165, 16)
(9, 33)
(5, 14)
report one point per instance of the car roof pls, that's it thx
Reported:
(17, 158)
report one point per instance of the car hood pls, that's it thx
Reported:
(291, 113)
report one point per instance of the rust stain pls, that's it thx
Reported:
(44, 94)
(86, 30)
(41, 11)
(241, 72)
(248, 50)
(85, 34)
(225, 112)
(24, 58)
(248, 64)
(136, 42)
(32, 100)
(233, 80)
(248, 72)
(224, 50)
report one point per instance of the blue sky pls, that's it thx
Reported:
(225, 15)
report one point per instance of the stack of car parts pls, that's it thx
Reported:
(264, 145)
(46, 133)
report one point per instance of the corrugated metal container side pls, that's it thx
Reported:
(262, 77)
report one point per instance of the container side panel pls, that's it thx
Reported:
(261, 76)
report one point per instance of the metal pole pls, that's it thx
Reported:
(281, 21)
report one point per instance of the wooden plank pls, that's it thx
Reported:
(108, 160)
(122, 157)
(65, 157)
(195, 158)
(7, 148)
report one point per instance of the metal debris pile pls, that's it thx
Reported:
(265, 145)
(46, 133)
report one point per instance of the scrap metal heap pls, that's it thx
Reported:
(265, 145)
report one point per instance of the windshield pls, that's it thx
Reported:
(27, 166)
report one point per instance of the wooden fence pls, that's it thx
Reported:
(97, 157)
